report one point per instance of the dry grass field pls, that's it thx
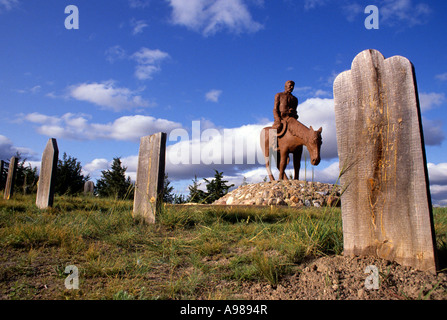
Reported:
(194, 253)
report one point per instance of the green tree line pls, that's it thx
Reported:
(113, 182)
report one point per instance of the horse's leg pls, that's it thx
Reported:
(269, 171)
(297, 161)
(282, 161)
(287, 163)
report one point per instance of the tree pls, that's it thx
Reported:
(26, 177)
(168, 197)
(69, 177)
(216, 188)
(113, 182)
(195, 194)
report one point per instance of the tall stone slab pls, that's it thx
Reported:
(47, 176)
(150, 177)
(386, 208)
(89, 188)
(10, 180)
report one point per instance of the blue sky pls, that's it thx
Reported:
(137, 67)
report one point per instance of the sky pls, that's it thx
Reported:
(102, 74)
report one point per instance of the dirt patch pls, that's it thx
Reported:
(337, 277)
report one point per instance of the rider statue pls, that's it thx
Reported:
(285, 106)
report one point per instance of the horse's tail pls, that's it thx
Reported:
(265, 141)
(265, 146)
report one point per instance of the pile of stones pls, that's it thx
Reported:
(294, 193)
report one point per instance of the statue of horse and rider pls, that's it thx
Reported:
(288, 136)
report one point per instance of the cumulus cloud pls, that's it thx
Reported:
(96, 165)
(148, 62)
(212, 16)
(107, 95)
(78, 127)
(438, 183)
(213, 95)
(437, 173)
(318, 112)
(431, 100)
(433, 132)
(7, 150)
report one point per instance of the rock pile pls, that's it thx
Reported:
(292, 193)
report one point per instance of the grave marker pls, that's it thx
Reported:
(47, 176)
(89, 188)
(150, 176)
(386, 208)
(10, 180)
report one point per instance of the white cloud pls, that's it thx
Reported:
(391, 12)
(138, 26)
(437, 173)
(8, 4)
(405, 12)
(77, 127)
(211, 16)
(442, 76)
(433, 132)
(7, 150)
(115, 53)
(138, 3)
(33, 90)
(94, 168)
(318, 112)
(352, 10)
(430, 100)
(107, 95)
(148, 56)
(148, 62)
(213, 95)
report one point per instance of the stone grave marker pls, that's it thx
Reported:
(150, 176)
(47, 176)
(10, 180)
(386, 207)
(89, 188)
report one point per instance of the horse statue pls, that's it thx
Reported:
(293, 136)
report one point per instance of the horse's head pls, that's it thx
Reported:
(314, 145)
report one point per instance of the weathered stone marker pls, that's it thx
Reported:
(89, 188)
(150, 176)
(386, 208)
(47, 176)
(12, 171)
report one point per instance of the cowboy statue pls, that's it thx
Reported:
(285, 107)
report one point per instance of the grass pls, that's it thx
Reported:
(188, 254)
